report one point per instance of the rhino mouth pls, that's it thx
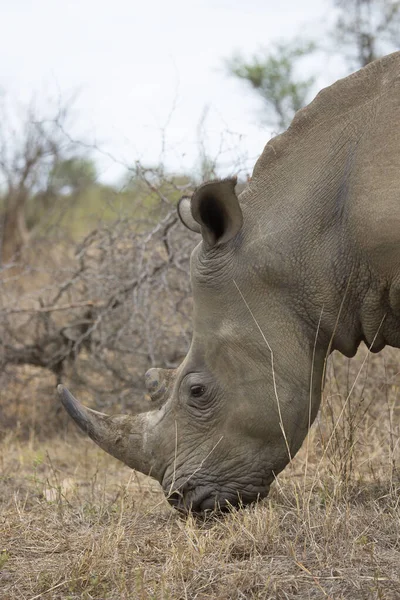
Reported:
(205, 499)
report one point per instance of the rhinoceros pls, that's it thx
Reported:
(304, 262)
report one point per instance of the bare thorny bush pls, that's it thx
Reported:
(32, 147)
(98, 314)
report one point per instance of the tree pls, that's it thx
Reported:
(31, 149)
(272, 74)
(367, 29)
(364, 30)
(73, 175)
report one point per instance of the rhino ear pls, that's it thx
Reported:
(215, 207)
(185, 214)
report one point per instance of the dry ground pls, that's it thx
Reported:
(75, 523)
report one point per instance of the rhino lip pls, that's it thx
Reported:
(204, 500)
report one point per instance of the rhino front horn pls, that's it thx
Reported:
(124, 437)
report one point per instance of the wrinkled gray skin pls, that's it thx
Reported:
(306, 261)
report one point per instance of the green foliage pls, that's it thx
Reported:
(70, 182)
(73, 174)
(144, 197)
(272, 75)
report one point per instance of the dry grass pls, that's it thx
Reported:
(75, 523)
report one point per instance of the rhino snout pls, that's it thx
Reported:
(204, 498)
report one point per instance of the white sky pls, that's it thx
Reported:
(141, 67)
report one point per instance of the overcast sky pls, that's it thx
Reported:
(143, 67)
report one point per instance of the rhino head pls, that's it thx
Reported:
(297, 266)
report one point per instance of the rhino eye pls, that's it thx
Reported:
(197, 390)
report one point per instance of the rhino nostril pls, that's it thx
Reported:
(175, 499)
